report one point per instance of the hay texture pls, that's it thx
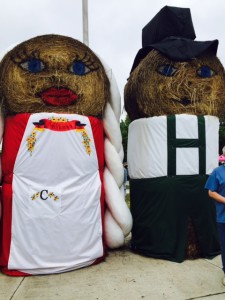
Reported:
(20, 89)
(149, 93)
(193, 250)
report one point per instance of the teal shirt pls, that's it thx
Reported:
(216, 183)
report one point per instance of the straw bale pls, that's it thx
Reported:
(193, 249)
(20, 89)
(149, 93)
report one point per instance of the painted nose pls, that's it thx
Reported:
(185, 101)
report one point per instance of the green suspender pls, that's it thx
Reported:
(174, 143)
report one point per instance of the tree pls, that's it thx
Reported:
(124, 131)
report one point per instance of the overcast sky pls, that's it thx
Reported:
(115, 26)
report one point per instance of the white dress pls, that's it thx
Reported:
(56, 209)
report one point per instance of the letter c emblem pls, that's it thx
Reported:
(44, 193)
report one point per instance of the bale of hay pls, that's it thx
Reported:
(150, 93)
(193, 249)
(62, 108)
(173, 74)
(52, 61)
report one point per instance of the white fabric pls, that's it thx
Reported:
(147, 146)
(186, 127)
(118, 219)
(113, 233)
(114, 165)
(70, 228)
(187, 161)
(212, 143)
(115, 100)
(117, 207)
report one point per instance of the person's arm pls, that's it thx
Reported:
(216, 196)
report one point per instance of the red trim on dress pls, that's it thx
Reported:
(13, 134)
(97, 127)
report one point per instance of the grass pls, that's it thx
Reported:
(127, 197)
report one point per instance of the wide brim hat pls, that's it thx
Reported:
(171, 32)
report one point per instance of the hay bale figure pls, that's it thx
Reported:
(61, 159)
(174, 95)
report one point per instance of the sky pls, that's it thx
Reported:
(115, 27)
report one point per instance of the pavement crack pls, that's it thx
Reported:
(213, 264)
(17, 289)
(201, 297)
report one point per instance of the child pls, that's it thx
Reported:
(216, 189)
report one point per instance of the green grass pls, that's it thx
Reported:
(127, 198)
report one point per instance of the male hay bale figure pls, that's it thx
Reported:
(174, 96)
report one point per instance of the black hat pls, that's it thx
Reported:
(171, 32)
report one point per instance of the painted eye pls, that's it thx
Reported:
(33, 65)
(205, 72)
(79, 68)
(167, 70)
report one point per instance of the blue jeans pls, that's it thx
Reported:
(221, 231)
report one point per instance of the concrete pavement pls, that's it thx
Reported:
(123, 276)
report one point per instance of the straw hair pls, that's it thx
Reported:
(20, 89)
(149, 93)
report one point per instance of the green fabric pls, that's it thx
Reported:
(174, 143)
(160, 208)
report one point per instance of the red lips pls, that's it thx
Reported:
(58, 96)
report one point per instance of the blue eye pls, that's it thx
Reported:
(167, 70)
(33, 65)
(205, 72)
(79, 68)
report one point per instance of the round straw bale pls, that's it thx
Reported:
(148, 92)
(21, 88)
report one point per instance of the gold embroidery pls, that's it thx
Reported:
(32, 138)
(50, 195)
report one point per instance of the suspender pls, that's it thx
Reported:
(174, 143)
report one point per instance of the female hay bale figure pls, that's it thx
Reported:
(173, 96)
(62, 158)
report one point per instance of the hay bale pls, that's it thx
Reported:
(21, 90)
(149, 93)
(192, 250)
